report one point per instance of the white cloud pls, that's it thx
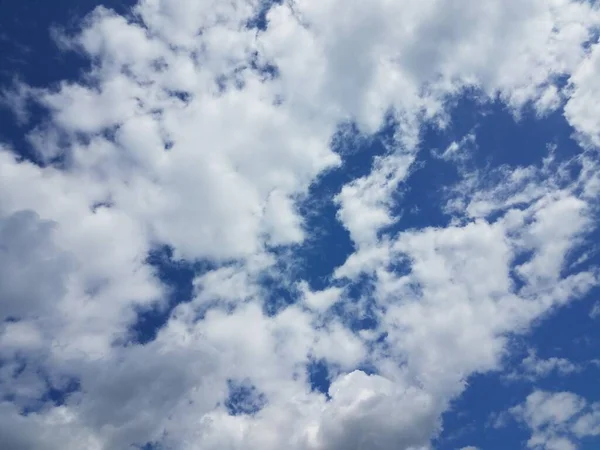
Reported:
(543, 408)
(320, 300)
(91, 272)
(557, 419)
(534, 368)
(28, 253)
(176, 138)
(363, 413)
(589, 423)
(582, 105)
(365, 203)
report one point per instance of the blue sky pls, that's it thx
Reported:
(305, 225)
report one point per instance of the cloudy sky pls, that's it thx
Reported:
(299, 224)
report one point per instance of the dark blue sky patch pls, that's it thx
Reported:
(469, 421)
(358, 311)
(278, 293)
(417, 202)
(244, 398)
(178, 276)
(108, 133)
(182, 96)
(26, 43)
(235, 79)
(365, 319)
(318, 376)
(264, 68)
(368, 367)
(328, 243)
(259, 21)
(30, 55)
(58, 394)
(169, 144)
(480, 416)
(16, 135)
(149, 446)
(569, 332)
(583, 258)
(589, 443)
(502, 139)
(400, 266)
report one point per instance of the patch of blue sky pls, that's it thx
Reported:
(505, 140)
(178, 277)
(149, 446)
(244, 398)
(328, 243)
(278, 294)
(56, 390)
(319, 376)
(259, 21)
(500, 139)
(30, 55)
(478, 416)
(569, 333)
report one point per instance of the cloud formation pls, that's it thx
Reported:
(558, 419)
(197, 130)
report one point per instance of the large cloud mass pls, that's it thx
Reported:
(201, 127)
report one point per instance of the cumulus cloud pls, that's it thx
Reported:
(557, 419)
(195, 131)
(28, 253)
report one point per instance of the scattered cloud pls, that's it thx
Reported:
(595, 311)
(533, 368)
(557, 419)
(195, 131)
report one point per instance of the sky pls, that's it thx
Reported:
(300, 224)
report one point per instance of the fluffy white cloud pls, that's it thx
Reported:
(365, 203)
(28, 253)
(557, 419)
(582, 105)
(88, 261)
(320, 300)
(194, 131)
